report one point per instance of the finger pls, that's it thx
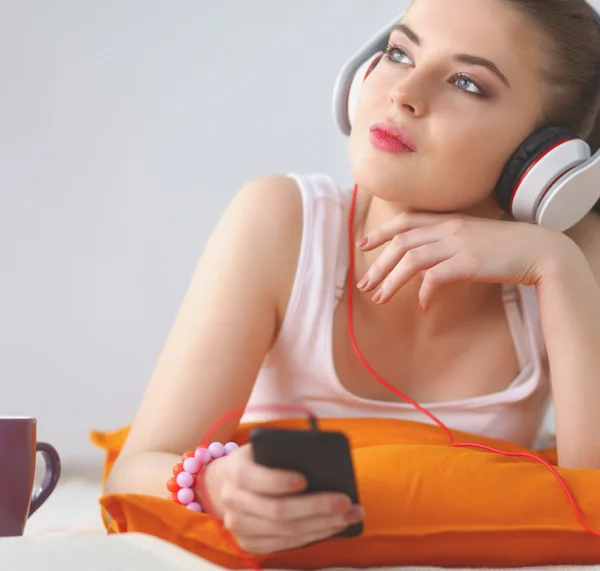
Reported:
(263, 545)
(394, 252)
(456, 268)
(413, 262)
(253, 477)
(246, 525)
(284, 508)
(401, 223)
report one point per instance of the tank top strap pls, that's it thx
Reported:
(512, 300)
(343, 253)
(314, 289)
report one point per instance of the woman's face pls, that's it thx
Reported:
(464, 118)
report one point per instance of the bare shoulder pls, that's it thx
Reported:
(273, 199)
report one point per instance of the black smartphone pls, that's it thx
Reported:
(323, 457)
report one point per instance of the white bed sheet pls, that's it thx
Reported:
(67, 534)
(128, 551)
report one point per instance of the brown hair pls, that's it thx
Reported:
(570, 37)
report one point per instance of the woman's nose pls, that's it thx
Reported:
(409, 94)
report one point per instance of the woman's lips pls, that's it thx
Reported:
(391, 138)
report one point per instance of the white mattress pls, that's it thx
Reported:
(124, 551)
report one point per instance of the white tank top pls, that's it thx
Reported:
(299, 368)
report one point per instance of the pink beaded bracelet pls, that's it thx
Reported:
(182, 483)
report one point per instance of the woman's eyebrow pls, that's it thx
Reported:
(462, 58)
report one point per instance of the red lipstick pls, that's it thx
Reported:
(391, 138)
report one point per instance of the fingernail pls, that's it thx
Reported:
(297, 482)
(363, 283)
(362, 242)
(356, 514)
(420, 307)
(377, 297)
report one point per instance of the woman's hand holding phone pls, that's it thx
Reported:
(265, 509)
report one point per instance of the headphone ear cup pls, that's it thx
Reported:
(357, 80)
(510, 186)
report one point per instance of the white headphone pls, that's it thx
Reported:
(550, 179)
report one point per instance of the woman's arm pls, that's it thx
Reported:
(569, 301)
(226, 324)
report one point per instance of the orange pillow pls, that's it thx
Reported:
(426, 503)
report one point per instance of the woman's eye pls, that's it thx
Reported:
(396, 55)
(462, 80)
(466, 84)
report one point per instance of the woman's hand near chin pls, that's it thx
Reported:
(448, 248)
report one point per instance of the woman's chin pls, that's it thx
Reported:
(393, 185)
(371, 167)
(403, 187)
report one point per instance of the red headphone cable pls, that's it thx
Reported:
(453, 443)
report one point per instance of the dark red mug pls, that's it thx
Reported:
(18, 448)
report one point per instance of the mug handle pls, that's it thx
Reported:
(52, 460)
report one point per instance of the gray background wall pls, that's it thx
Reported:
(126, 126)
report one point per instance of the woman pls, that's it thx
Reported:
(474, 316)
